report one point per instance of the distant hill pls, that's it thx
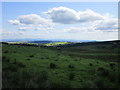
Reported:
(43, 42)
(77, 44)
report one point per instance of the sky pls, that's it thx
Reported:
(60, 20)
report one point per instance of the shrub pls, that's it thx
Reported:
(6, 51)
(14, 61)
(42, 58)
(71, 76)
(58, 54)
(21, 64)
(59, 84)
(113, 77)
(58, 49)
(100, 69)
(47, 58)
(71, 66)
(103, 72)
(7, 60)
(103, 83)
(75, 60)
(89, 84)
(13, 68)
(14, 52)
(44, 75)
(81, 80)
(90, 64)
(97, 62)
(31, 56)
(112, 65)
(56, 59)
(4, 58)
(52, 65)
(28, 59)
(100, 84)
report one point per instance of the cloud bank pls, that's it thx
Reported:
(69, 16)
(31, 20)
(63, 16)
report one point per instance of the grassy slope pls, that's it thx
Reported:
(56, 43)
(26, 66)
(102, 52)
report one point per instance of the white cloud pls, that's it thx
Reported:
(23, 28)
(89, 16)
(74, 29)
(39, 28)
(106, 25)
(96, 20)
(14, 22)
(63, 15)
(11, 33)
(110, 24)
(92, 20)
(79, 29)
(69, 16)
(31, 21)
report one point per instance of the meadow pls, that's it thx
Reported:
(80, 65)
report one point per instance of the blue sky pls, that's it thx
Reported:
(60, 20)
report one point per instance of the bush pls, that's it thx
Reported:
(14, 52)
(100, 84)
(58, 54)
(12, 68)
(90, 64)
(5, 59)
(44, 76)
(59, 84)
(42, 58)
(103, 83)
(75, 60)
(71, 66)
(58, 49)
(21, 65)
(14, 61)
(42, 79)
(56, 59)
(52, 65)
(112, 65)
(28, 59)
(103, 72)
(71, 76)
(5, 51)
(31, 56)
(97, 62)
(89, 84)
(47, 57)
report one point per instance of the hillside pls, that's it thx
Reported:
(75, 65)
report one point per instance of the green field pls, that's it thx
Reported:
(65, 66)
(56, 43)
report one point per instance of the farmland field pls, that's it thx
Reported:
(89, 65)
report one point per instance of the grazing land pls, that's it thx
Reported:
(61, 65)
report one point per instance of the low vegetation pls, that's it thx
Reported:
(65, 66)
